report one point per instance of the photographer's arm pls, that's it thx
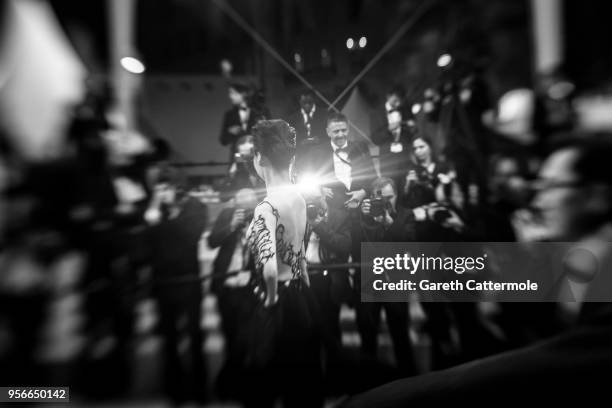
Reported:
(222, 229)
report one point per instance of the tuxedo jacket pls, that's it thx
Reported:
(232, 118)
(319, 162)
(317, 125)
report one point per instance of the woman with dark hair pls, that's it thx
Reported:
(429, 180)
(284, 347)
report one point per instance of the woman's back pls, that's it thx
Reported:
(284, 211)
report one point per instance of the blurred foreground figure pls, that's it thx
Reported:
(232, 273)
(41, 80)
(177, 223)
(574, 203)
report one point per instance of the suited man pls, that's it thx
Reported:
(309, 121)
(573, 204)
(392, 134)
(240, 119)
(344, 169)
(235, 298)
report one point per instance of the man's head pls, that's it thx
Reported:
(238, 93)
(338, 129)
(395, 96)
(574, 189)
(307, 101)
(387, 189)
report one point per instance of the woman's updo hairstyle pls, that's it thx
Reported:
(275, 140)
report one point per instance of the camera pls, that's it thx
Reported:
(377, 205)
(312, 211)
(440, 215)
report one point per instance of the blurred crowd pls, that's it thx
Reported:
(94, 219)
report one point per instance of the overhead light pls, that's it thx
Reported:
(444, 60)
(363, 42)
(226, 67)
(350, 43)
(132, 65)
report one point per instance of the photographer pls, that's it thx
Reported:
(383, 220)
(242, 173)
(429, 180)
(231, 275)
(327, 241)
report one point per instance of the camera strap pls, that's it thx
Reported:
(337, 153)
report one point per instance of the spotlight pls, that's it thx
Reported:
(132, 65)
(363, 42)
(308, 184)
(444, 60)
(350, 43)
(416, 108)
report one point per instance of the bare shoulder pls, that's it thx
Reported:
(285, 203)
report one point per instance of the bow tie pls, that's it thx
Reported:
(243, 108)
(342, 150)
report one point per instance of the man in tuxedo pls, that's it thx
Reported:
(574, 204)
(309, 121)
(240, 119)
(345, 171)
(343, 167)
(392, 133)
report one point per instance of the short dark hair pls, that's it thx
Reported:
(336, 117)
(396, 89)
(424, 138)
(174, 177)
(275, 140)
(382, 182)
(239, 87)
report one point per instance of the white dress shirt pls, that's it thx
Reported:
(244, 117)
(312, 251)
(342, 167)
(308, 118)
